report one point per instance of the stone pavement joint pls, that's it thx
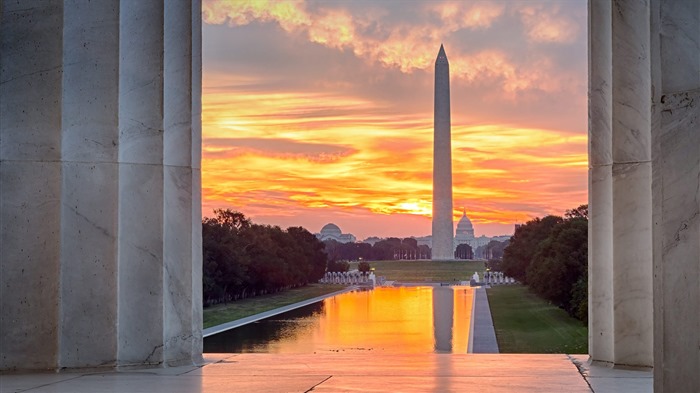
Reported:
(312, 388)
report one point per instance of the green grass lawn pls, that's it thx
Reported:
(421, 271)
(222, 313)
(524, 323)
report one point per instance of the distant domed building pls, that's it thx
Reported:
(332, 232)
(465, 234)
(465, 230)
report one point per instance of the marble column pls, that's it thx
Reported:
(600, 205)
(631, 151)
(31, 37)
(656, 187)
(676, 194)
(196, 148)
(90, 182)
(100, 108)
(177, 182)
(141, 249)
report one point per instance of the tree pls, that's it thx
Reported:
(464, 251)
(338, 266)
(242, 259)
(231, 220)
(560, 262)
(384, 250)
(410, 242)
(518, 255)
(579, 298)
(348, 251)
(313, 251)
(224, 262)
(492, 250)
(550, 255)
(424, 252)
(579, 212)
(363, 267)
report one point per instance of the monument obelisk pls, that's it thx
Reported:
(443, 243)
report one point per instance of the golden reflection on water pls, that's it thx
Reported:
(396, 320)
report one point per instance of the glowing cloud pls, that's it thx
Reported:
(548, 24)
(411, 47)
(340, 129)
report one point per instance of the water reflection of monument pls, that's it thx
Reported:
(385, 319)
(443, 310)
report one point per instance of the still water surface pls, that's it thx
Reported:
(390, 320)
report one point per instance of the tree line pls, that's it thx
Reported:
(550, 255)
(394, 248)
(391, 248)
(492, 250)
(242, 259)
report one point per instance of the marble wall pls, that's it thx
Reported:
(644, 85)
(676, 194)
(620, 254)
(600, 202)
(100, 170)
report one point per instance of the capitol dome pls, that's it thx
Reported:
(465, 229)
(331, 230)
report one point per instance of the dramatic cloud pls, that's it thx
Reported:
(549, 24)
(318, 112)
(411, 46)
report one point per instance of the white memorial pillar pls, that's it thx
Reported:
(31, 35)
(656, 176)
(178, 181)
(90, 175)
(631, 151)
(196, 156)
(141, 262)
(600, 246)
(100, 204)
(676, 194)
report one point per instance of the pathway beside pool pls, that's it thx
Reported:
(482, 336)
(271, 313)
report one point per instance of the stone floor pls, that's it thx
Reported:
(339, 372)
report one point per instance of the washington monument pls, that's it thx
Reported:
(443, 242)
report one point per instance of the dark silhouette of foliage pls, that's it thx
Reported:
(242, 259)
(363, 267)
(579, 212)
(559, 262)
(579, 298)
(523, 245)
(338, 266)
(464, 251)
(494, 265)
(347, 251)
(492, 250)
(386, 249)
(550, 255)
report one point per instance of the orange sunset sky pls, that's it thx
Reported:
(322, 111)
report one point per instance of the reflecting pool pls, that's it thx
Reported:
(391, 320)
